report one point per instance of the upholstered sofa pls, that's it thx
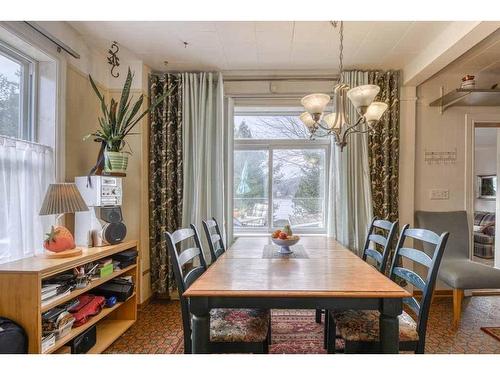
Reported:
(484, 234)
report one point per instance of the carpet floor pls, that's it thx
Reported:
(159, 329)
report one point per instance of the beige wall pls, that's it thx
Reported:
(82, 110)
(443, 132)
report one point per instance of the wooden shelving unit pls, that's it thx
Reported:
(20, 288)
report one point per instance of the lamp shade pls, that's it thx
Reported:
(315, 103)
(307, 119)
(62, 198)
(375, 111)
(330, 120)
(362, 96)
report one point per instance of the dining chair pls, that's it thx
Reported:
(214, 238)
(231, 330)
(377, 247)
(360, 329)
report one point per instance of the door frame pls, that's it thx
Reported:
(471, 121)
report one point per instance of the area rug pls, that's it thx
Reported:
(492, 331)
(158, 330)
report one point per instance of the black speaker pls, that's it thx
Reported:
(112, 214)
(112, 230)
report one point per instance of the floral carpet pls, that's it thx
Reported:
(159, 329)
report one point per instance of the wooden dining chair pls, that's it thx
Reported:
(360, 329)
(378, 245)
(214, 238)
(231, 330)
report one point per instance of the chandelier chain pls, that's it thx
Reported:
(341, 50)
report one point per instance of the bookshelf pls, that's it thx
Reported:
(20, 300)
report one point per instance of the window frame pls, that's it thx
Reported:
(270, 145)
(27, 89)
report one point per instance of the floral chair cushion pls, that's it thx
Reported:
(363, 326)
(238, 325)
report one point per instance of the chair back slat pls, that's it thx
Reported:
(410, 276)
(378, 239)
(182, 234)
(184, 275)
(384, 224)
(380, 257)
(425, 283)
(413, 304)
(416, 255)
(423, 235)
(374, 254)
(192, 275)
(188, 255)
(214, 238)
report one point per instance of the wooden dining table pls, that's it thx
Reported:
(325, 276)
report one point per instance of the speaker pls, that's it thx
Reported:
(112, 230)
(111, 214)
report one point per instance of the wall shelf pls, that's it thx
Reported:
(468, 97)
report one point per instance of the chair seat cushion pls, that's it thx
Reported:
(465, 274)
(483, 238)
(363, 326)
(239, 325)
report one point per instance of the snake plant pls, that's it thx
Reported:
(118, 120)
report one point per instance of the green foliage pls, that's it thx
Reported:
(9, 107)
(120, 118)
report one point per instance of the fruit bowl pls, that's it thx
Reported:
(285, 244)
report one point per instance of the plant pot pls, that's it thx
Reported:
(115, 162)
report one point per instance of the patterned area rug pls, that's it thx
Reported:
(492, 331)
(159, 331)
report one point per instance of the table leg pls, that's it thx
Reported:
(200, 325)
(389, 324)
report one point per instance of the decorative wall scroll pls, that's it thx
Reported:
(113, 59)
(440, 157)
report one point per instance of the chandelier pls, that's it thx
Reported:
(338, 123)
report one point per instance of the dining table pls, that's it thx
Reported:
(319, 274)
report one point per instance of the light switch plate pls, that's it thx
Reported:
(439, 194)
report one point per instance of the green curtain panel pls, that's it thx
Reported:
(383, 148)
(165, 178)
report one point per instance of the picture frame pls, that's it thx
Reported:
(487, 187)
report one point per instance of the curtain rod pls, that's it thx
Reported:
(287, 79)
(60, 45)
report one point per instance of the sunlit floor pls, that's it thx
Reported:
(159, 329)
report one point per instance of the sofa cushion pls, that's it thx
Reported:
(465, 274)
(363, 326)
(483, 238)
(239, 325)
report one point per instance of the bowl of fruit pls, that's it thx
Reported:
(284, 238)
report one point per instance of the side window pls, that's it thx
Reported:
(16, 95)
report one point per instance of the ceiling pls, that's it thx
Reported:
(249, 46)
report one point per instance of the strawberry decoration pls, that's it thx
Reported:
(59, 239)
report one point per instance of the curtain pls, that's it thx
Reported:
(384, 148)
(352, 206)
(165, 178)
(26, 170)
(204, 141)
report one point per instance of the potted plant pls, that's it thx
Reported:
(116, 123)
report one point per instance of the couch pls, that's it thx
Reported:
(484, 234)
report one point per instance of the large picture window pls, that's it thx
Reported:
(280, 175)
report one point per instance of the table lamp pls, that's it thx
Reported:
(61, 198)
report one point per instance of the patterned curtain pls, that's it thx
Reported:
(165, 178)
(383, 148)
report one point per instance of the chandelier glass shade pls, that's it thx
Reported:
(338, 123)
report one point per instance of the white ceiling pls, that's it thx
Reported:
(243, 46)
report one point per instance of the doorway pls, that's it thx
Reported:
(486, 205)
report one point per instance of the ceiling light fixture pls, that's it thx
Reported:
(337, 123)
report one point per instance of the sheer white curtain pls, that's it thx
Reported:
(204, 144)
(26, 170)
(350, 189)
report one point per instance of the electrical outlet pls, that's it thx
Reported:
(439, 194)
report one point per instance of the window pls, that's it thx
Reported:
(280, 175)
(16, 94)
